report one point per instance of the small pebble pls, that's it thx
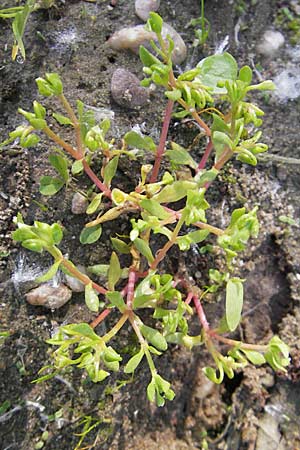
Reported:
(131, 38)
(144, 7)
(49, 296)
(79, 203)
(270, 43)
(73, 282)
(126, 89)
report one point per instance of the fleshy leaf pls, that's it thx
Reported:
(234, 302)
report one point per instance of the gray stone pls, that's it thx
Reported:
(52, 297)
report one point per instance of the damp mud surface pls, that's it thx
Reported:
(258, 409)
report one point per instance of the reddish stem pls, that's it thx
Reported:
(201, 313)
(205, 156)
(189, 298)
(162, 142)
(130, 287)
(95, 179)
(100, 318)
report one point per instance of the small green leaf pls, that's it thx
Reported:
(82, 329)
(146, 57)
(100, 270)
(91, 298)
(234, 302)
(91, 234)
(50, 186)
(77, 167)
(175, 191)
(212, 374)
(245, 74)
(60, 164)
(110, 170)
(49, 274)
(144, 249)
(95, 203)
(57, 233)
(154, 337)
(247, 157)
(155, 22)
(117, 300)
(217, 68)
(114, 271)
(221, 142)
(154, 208)
(254, 357)
(35, 245)
(174, 95)
(120, 246)
(180, 156)
(134, 362)
(141, 142)
(55, 82)
(151, 391)
(62, 120)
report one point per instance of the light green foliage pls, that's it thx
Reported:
(89, 351)
(143, 283)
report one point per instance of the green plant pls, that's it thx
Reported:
(20, 15)
(144, 284)
(289, 21)
(201, 33)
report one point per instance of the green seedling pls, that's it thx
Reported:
(20, 15)
(231, 133)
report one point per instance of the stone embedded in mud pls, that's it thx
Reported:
(126, 89)
(79, 203)
(73, 282)
(270, 43)
(144, 7)
(132, 37)
(52, 297)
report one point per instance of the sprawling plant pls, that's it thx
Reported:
(230, 133)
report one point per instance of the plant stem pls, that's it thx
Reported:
(205, 156)
(226, 155)
(234, 343)
(78, 156)
(210, 228)
(95, 179)
(130, 287)
(162, 142)
(81, 277)
(201, 314)
(116, 328)
(163, 251)
(75, 122)
(69, 148)
(134, 320)
(196, 116)
(100, 318)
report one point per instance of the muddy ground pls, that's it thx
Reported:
(257, 409)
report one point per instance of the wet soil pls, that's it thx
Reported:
(241, 414)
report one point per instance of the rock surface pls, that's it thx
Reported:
(132, 37)
(144, 7)
(126, 89)
(52, 297)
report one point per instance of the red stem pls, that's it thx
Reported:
(201, 313)
(162, 142)
(189, 298)
(130, 287)
(95, 179)
(205, 156)
(100, 318)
